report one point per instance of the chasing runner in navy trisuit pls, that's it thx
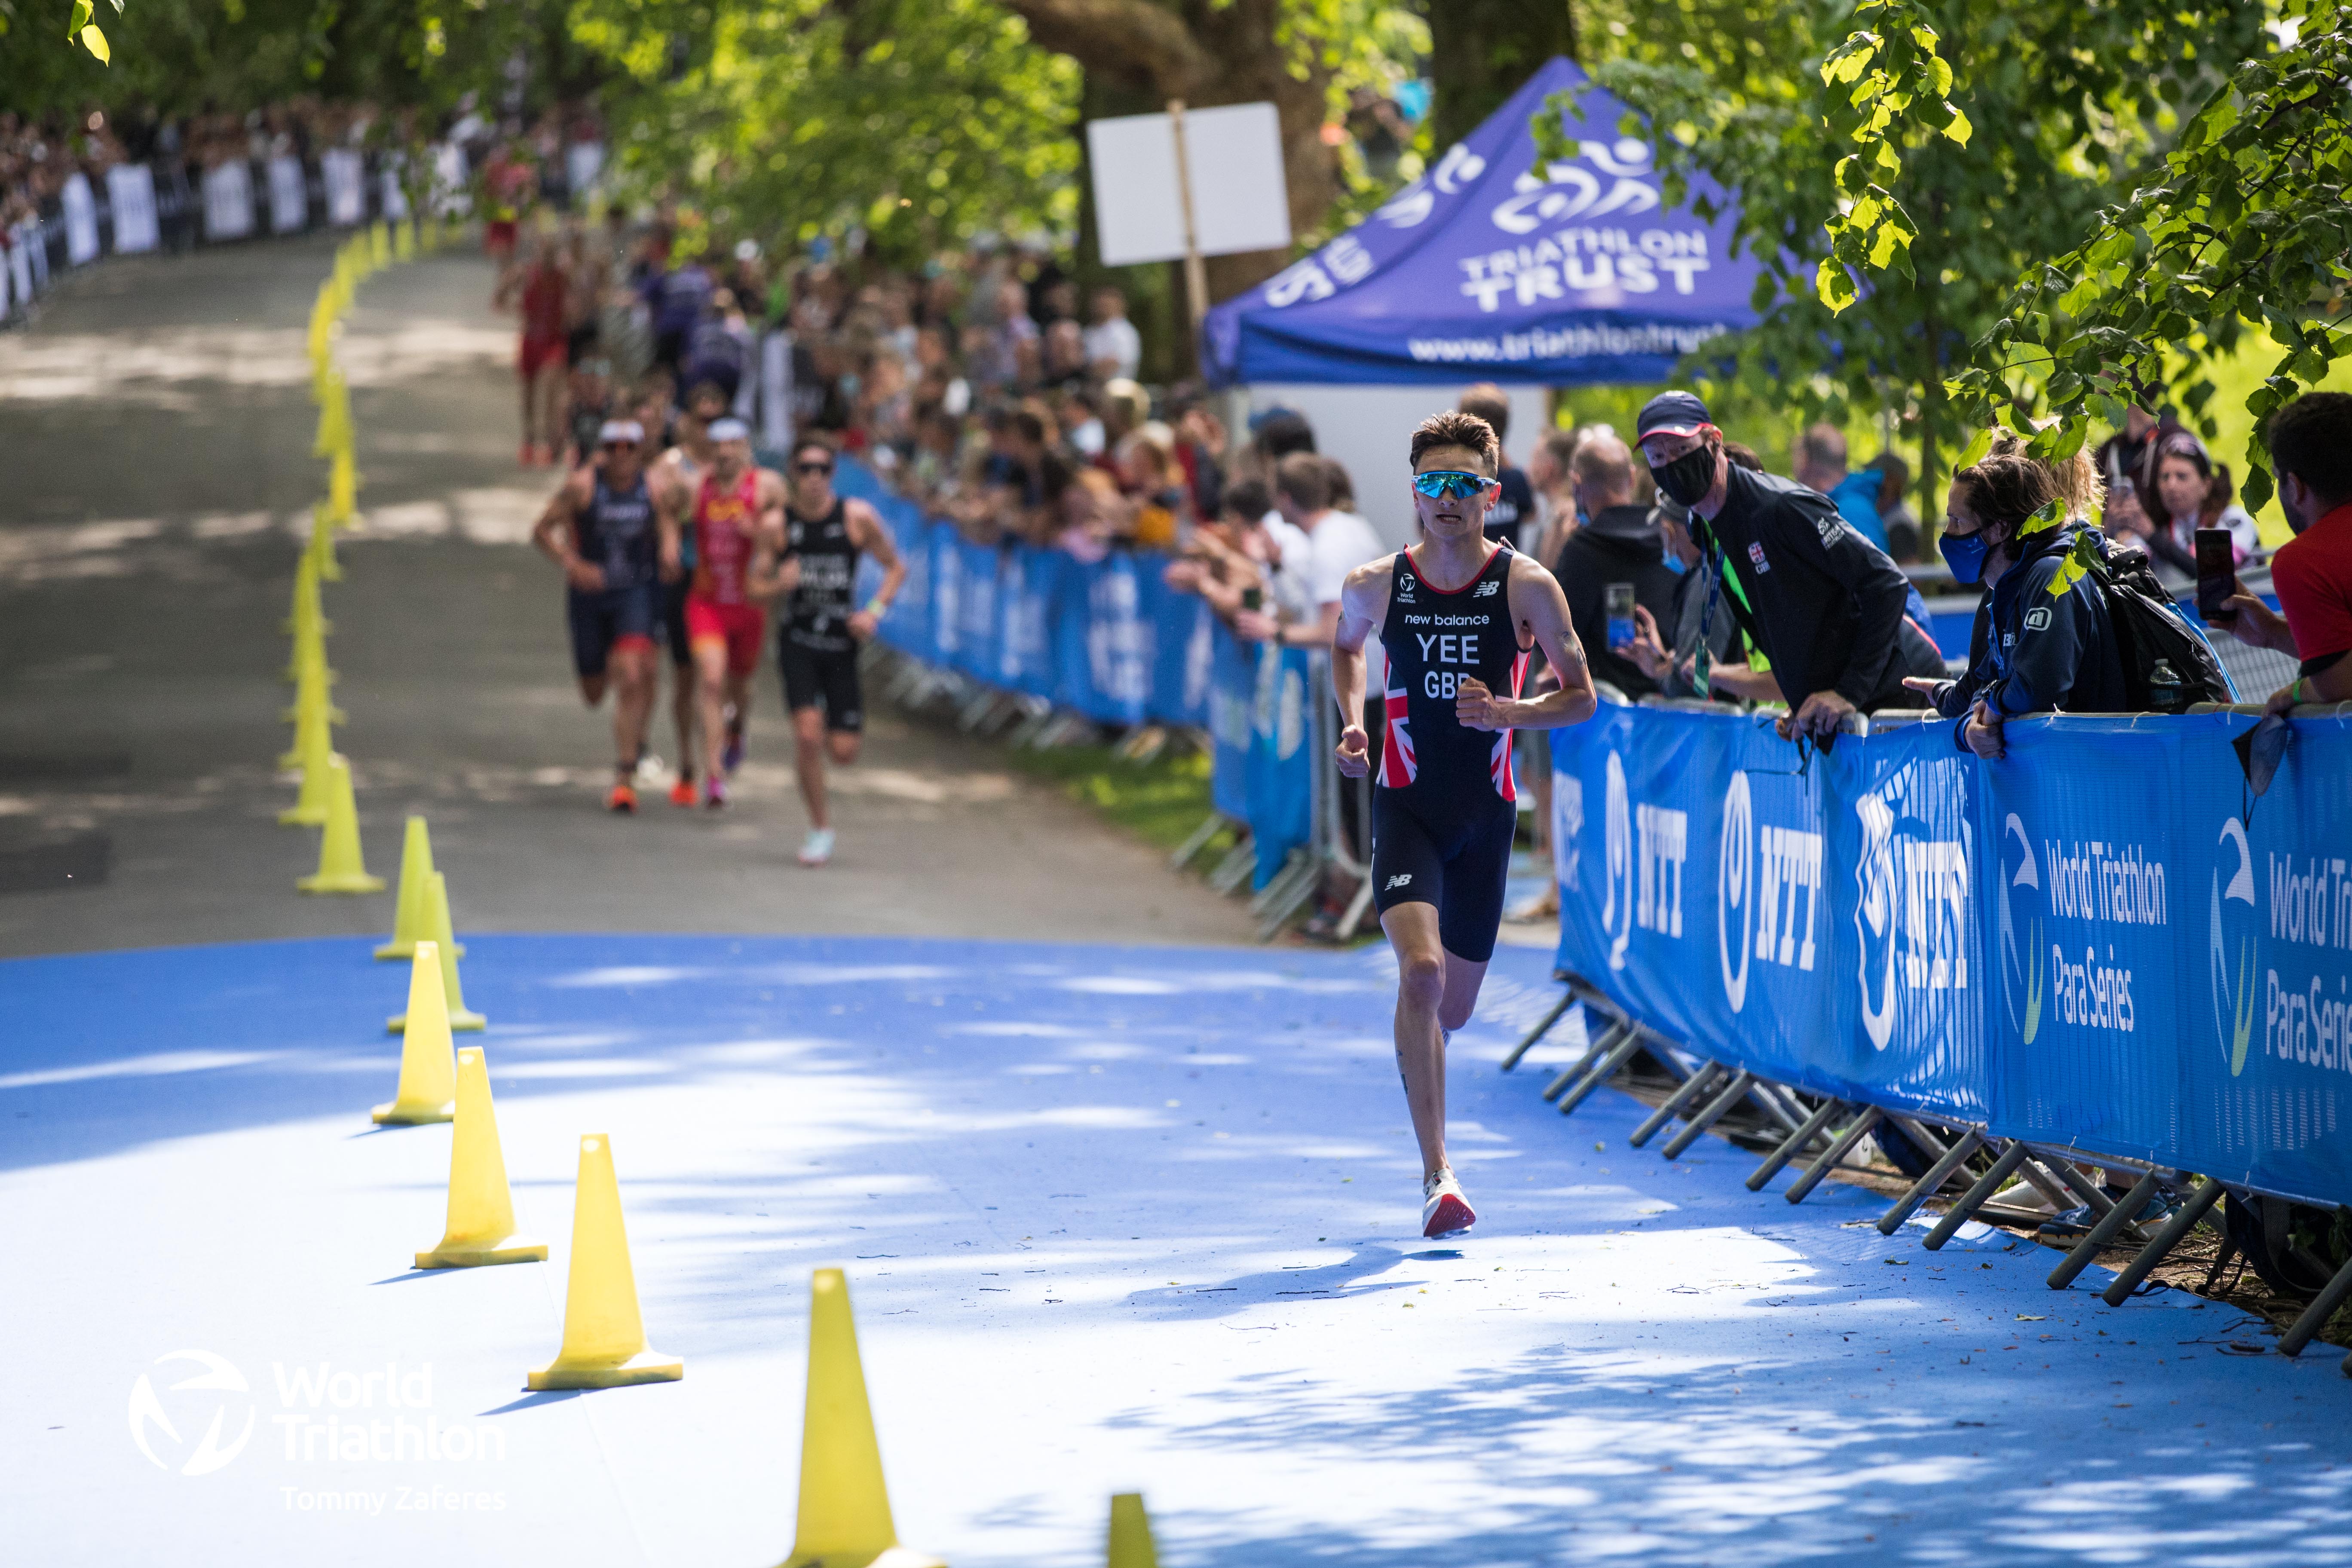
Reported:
(1458, 616)
(616, 538)
(823, 626)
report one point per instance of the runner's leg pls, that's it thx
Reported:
(633, 700)
(710, 700)
(808, 763)
(1421, 988)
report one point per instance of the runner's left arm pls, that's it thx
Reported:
(1539, 608)
(774, 569)
(869, 533)
(669, 523)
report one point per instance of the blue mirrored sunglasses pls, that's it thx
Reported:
(1450, 484)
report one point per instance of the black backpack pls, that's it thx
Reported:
(2149, 631)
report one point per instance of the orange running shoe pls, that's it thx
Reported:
(682, 792)
(623, 799)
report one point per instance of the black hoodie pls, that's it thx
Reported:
(1620, 544)
(2032, 653)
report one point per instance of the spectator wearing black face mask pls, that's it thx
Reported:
(1822, 604)
(2311, 451)
(2032, 652)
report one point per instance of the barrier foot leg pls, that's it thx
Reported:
(2093, 1191)
(1802, 1187)
(1733, 1092)
(1196, 840)
(2199, 1204)
(1692, 1088)
(2110, 1224)
(1973, 1199)
(1795, 1141)
(1932, 1182)
(2314, 1317)
(1356, 907)
(1567, 1000)
(1234, 867)
(2039, 1177)
(1603, 1073)
(1592, 1053)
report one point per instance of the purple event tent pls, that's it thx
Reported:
(1487, 267)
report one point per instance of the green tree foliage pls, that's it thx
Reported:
(1872, 168)
(1482, 51)
(923, 122)
(181, 57)
(2246, 221)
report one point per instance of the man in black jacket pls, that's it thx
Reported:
(1822, 604)
(1620, 542)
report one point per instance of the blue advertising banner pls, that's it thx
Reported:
(2089, 942)
(1233, 697)
(1281, 778)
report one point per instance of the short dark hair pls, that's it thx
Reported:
(2312, 439)
(1343, 484)
(1028, 426)
(699, 387)
(1489, 403)
(813, 443)
(1282, 433)
(1456, 428)
(1247, 499)
(1303, 478)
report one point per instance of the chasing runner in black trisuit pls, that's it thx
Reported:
(817, 644)
(1457, 617)
(616, 538)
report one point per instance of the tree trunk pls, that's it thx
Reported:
(1206, 52)
(1482, 51)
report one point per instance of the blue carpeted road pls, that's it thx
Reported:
(1115, 1219)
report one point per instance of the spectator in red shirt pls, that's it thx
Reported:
(2311, 453)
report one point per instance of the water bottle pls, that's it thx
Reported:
(2164, 688)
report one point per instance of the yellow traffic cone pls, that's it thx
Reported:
(436, 911)
(342, 869)
(379, 246)
(403, 242)
(306, 615)
(315, 804)
(604, 1337)
(845, 1510)
(342, 487)
(412, 918)
(428, 1072)
(311, 678)
(321, 543)
(1130, 1533)
(311, 714)
(481, 1228)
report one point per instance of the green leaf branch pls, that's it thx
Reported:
(1885, 79)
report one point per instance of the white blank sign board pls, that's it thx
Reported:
(1239, 199)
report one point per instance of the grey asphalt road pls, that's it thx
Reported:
(158, 429)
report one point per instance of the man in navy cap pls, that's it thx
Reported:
(1821, 602)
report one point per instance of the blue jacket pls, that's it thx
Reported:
(2032, 653)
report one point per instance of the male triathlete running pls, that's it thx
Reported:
(1457, 617)
(617, 539)
(738, 533)
(823, 628)
(681, 468)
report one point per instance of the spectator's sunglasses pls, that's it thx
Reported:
(620, 446)
(812, 468)
(1452, 484)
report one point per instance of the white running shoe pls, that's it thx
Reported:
(817, 847)
(652, 772)
(1444, 1209)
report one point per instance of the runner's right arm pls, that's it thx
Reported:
(558, 538)
(1363, 606)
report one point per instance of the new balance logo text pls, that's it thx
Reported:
(1401, 878)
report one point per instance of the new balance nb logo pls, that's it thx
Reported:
(1400, 880)
(1483, 589)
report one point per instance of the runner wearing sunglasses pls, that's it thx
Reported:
(617, 539)
(823, 625)
(1457, 615)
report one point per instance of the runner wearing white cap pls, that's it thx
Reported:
(616, 540)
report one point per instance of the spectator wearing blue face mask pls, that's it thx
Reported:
(2031, 651)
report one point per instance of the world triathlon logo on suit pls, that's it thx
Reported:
(1767, 888)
